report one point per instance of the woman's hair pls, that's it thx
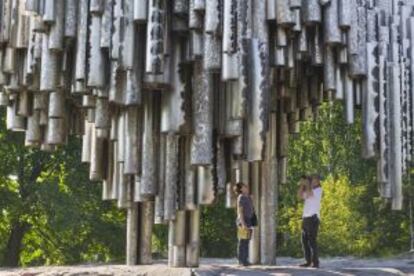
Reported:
(316, 177)
(304, 178)
(237, 188)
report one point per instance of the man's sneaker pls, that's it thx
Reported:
(315, 265)
(305, 265)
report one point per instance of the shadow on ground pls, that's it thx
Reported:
(331, 266)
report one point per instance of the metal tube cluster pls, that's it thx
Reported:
(175, 101)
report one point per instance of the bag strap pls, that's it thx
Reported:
(251, 201)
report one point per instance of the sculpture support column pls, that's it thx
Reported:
(193, 245)
(179, 246)
(395, 165)
(254, 245)
(145, 239)
(268, 198)
(132, 235)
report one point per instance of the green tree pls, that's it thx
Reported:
(343, 228)
(355, 220)
(218, 230)
(50, 212)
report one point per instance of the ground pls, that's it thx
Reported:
(329, 266)
(227, 267)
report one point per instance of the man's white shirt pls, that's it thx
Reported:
(313, 204)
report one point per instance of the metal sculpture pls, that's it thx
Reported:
(177, 100)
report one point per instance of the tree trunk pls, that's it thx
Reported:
(14, 244)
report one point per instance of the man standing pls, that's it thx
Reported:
(310, 191)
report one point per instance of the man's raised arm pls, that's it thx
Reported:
(301, 192)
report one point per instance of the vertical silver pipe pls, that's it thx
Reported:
(267, 205)
(357, 45)
(283, 13)
(229, 70)
(132, 127)
(155, 35)
(107, 187)
(97, 163)
(87, 141)
(57, 104)
(339, 91)
(221, 169)
(193, 244)
(56, 131)
(33, 132)
(102, 113)
(383, 173)
(317, 51)
(369, 107)
(122, 183)
(395, 124)
(129, 36)
(140, 10)
(57, 30)
(199, 5)
(254, 245)
(171, 241)
(49, 12)
(349, 98)
(81, 38)
(171, 176)
(172, 113)
(145, 242)
(49, 67)
(116, 29)
(190, 181)
(71, 18)
(132, 235)
(180, 240)
(106, 24)
(5, 21)
(116, 172)
(312, 13)
(159, 198)
(150, 146)
(345, 9)
(96, 72)
(212, 17)
(256, 123)
(329, 77)
(202, 141)
(205, 185)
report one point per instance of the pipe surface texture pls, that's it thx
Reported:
(175, 101)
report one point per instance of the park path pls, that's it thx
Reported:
(227, 267)
(329, 267)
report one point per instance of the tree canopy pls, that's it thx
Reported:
(50, 212)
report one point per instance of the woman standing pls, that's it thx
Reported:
(245, 213)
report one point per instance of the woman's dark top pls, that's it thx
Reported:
(246, 203)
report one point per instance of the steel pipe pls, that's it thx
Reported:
(179, 101)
